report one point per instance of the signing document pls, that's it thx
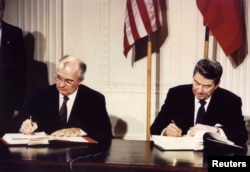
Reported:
(186, 142)
(37, 138)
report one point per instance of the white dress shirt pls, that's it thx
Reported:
(70, 102)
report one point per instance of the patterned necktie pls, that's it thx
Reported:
(201, 113)
(63, 111)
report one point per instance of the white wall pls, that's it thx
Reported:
(93, 30)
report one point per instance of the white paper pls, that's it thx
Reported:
(37, 138)
(178, 143)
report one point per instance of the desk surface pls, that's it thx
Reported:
(120, 155)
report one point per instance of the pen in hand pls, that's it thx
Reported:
(33, 124)
(31, 120)
(178, 131)
(173, 122)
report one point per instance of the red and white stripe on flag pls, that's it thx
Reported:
(142, 17)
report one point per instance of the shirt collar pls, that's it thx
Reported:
(207, 100)
(71, 96)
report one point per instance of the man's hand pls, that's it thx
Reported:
(67, 132)
(201, 128)
(28, 127)
(172, 130)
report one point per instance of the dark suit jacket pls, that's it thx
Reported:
(12, 74)
(224, 108)
(88, 112)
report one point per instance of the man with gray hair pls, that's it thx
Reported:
(68, 108)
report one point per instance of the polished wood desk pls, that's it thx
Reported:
(120, 155)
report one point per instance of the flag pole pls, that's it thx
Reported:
(206, 42)
(149, 62)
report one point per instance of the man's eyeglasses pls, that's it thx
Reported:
(60, 79)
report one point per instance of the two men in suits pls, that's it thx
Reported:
(12, 72)
(223, 114)
(86, 108)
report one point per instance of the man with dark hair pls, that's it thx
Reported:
(202, 107)
(12, 73)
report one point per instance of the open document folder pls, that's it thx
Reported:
(40, 138)
(187, 142)
(178, 143)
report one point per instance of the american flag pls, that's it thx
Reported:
(142, 17)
